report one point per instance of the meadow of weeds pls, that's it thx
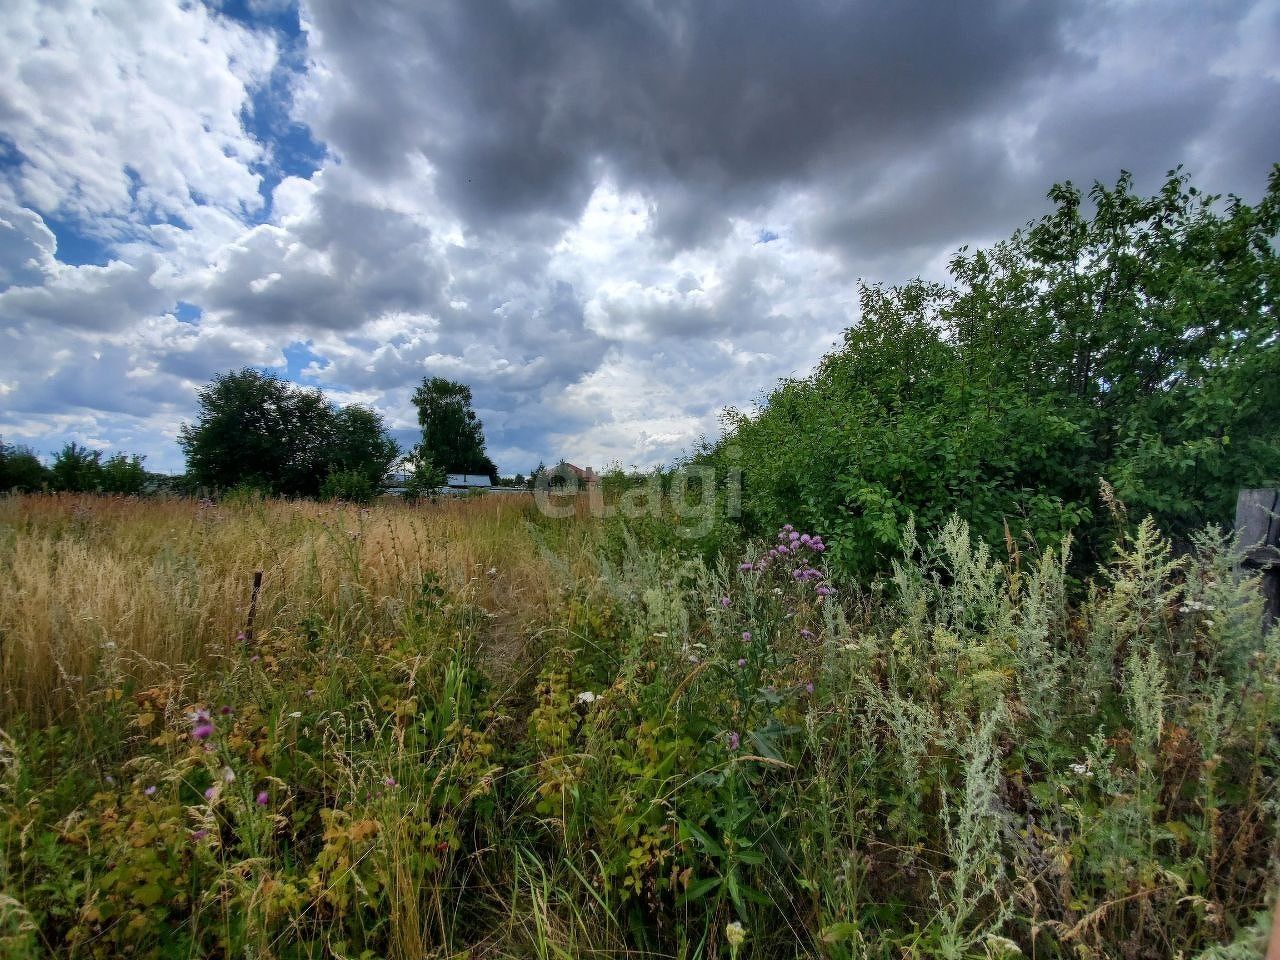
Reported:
(468, 730)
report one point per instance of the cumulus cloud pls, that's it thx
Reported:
(611, 220)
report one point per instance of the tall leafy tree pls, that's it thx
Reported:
(258, 430)
(21, 469)
(77, 469)
(452, 434)
(1126, 338)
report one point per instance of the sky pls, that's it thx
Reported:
(611, 220)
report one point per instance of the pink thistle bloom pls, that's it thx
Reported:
(240, 636)
(742, 662)
(389, 782)
(744, 567)
(725, 601)
(735, 741)
(225, 710)
(808, 687)
(807, 634)
(263, 798)
(746, 636)
(209, 794)
(795, 536)
(199, 835)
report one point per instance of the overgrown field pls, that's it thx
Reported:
(467, 730)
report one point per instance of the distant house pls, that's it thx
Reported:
(468, 481)
(563, 472)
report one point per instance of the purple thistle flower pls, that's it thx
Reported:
(746, 636)
(807, 634)
(725, 601)
(744, 567)
(389, 782)
(742, 662)
(808, 687)
(209, 794)
(263, 798)
(795, 536)
(787, 528)
(782, 549)
(735, 741)
(199, 835)
(225, 710)
(150, 791)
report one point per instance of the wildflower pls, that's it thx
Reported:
(110, 779)
(787, 528)
(228, 775)
(201, 725)
(735, 741)
(741, 662)
(210, 793)
(150, 791)
(586, 696)
(736, 934)
(225, 710)
(255, 658)
(725, 601)
(807, 634)
(296, 714)
(491, 572)
(783, 549)
(794, 536)
(744, 567)
(240, 637)
(199, 835)
(849, 646)
(808, 687)
(389, 782)
(746, 636)
(263, 798)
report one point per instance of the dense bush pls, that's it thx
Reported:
(1136, 343)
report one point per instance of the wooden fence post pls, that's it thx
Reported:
(1258, 527)
(253, 606)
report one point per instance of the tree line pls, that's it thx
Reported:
(259, 432)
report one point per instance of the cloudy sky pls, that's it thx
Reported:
(610, 219)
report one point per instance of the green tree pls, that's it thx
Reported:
(424, 476)
(77, 469)
(122, 473)
(21, 469)
(362, 446)
(452, 434)
(258, 430)
(1135, 342)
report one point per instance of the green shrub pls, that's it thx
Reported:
(1135, 343)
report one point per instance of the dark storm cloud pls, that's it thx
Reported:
(709, 105)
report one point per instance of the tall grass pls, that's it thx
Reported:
(153, 588)
(467, 730)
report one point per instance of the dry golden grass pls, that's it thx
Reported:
(147, 588)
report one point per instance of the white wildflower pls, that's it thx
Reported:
(586, 696)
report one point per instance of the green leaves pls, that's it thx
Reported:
(1128, 343)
